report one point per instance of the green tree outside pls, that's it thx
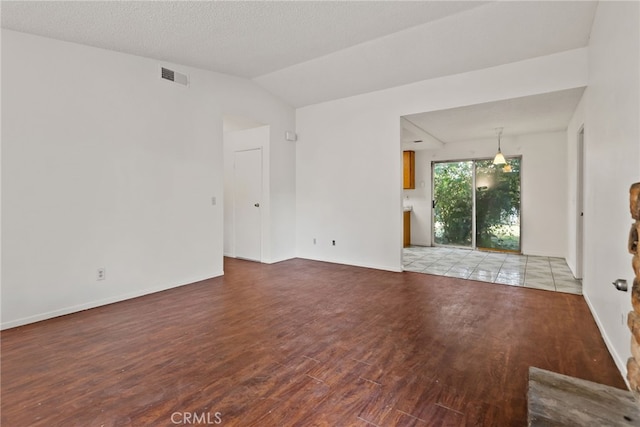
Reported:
(453, 208)
(497, 204)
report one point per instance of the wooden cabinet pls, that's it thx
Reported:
(406, 240)
(409, 175)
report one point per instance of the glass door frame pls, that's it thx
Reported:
(473, 205)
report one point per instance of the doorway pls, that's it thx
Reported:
(246, 195)
(476, 204)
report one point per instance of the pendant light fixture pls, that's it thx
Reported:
(499, 158)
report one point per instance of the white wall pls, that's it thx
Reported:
(349, 162)
(543, 186)
(106, 165)
(612, 153)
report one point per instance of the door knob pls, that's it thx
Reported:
(257, 205)
(620, 285)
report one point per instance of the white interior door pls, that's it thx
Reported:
(580, 206)
(247, 199)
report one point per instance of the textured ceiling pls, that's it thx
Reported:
(244, 38)
(490, 35)
(307, 52)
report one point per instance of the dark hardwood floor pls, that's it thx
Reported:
(301, 343)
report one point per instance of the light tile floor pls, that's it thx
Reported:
(537, 272)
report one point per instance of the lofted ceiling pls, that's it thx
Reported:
(306, 52)
(489, 35)
(242, 38)
(312, 51)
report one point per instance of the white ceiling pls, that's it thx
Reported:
(243, 38)
(311, 51)
(307, 52)
(547, 112)
(493, 34)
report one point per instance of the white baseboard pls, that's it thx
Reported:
(357, 264)
(621, 364)
(544, 254)
(98, 303)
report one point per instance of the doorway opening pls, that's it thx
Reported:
(246, 196)
(476, 205)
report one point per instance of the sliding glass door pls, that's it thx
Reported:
(498, 205)
(476, 204)
(453, 203)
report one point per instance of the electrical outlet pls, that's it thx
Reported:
(213, 201)
(102, 274)
(314, 240)
(333, 243)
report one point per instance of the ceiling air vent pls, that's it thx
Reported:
(173, 76)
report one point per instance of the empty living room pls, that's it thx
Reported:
(249, 213)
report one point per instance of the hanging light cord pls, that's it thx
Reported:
(499, 157)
